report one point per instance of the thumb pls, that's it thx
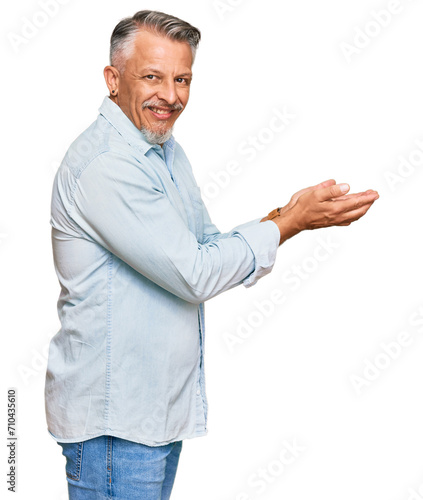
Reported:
(324, 184)
(327, 183)
(330, 192)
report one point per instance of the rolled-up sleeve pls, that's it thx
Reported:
(263, 240)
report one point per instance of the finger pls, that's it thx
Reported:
(354, 206)
(370, 194)
(355, 214)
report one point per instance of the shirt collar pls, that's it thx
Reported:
(117, 118)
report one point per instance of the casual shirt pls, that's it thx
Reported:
(136, 255)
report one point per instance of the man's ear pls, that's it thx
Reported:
(111, 75)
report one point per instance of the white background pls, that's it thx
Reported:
(290, 378)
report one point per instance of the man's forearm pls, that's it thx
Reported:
(286, 224)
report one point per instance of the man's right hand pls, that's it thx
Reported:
(324, 205)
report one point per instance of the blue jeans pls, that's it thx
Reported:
(108, 467)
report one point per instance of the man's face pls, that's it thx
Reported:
(154, 87)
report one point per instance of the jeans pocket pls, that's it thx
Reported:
(73, 454)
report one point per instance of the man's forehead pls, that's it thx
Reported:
(151, 46)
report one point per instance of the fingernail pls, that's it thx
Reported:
(344, 187)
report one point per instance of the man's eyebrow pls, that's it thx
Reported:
(151, 69)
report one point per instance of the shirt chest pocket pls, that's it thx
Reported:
(198, 216)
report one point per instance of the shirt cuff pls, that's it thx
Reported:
(263, 240)
(249, 223)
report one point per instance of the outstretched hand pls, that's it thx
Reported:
(295, 196)
(323, 205)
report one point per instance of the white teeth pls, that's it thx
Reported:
(159, 111)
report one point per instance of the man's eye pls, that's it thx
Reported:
(182, 80)
(149, 77)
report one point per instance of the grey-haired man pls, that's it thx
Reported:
(137, 256)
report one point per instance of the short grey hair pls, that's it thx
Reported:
(125, 32)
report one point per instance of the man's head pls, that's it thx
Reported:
(149, 76)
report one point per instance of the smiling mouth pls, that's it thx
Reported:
(160, 113)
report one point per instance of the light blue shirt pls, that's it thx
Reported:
(136, 255)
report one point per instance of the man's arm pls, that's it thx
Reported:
(323, 205)
(122, 206)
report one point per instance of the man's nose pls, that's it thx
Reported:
(167, 92)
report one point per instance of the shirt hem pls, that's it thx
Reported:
(120, 435)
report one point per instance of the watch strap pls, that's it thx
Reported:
(274, 213)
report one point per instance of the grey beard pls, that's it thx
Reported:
(156, 137)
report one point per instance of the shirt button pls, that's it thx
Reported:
(198, 392)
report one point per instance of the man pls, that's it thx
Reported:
(137, 255)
